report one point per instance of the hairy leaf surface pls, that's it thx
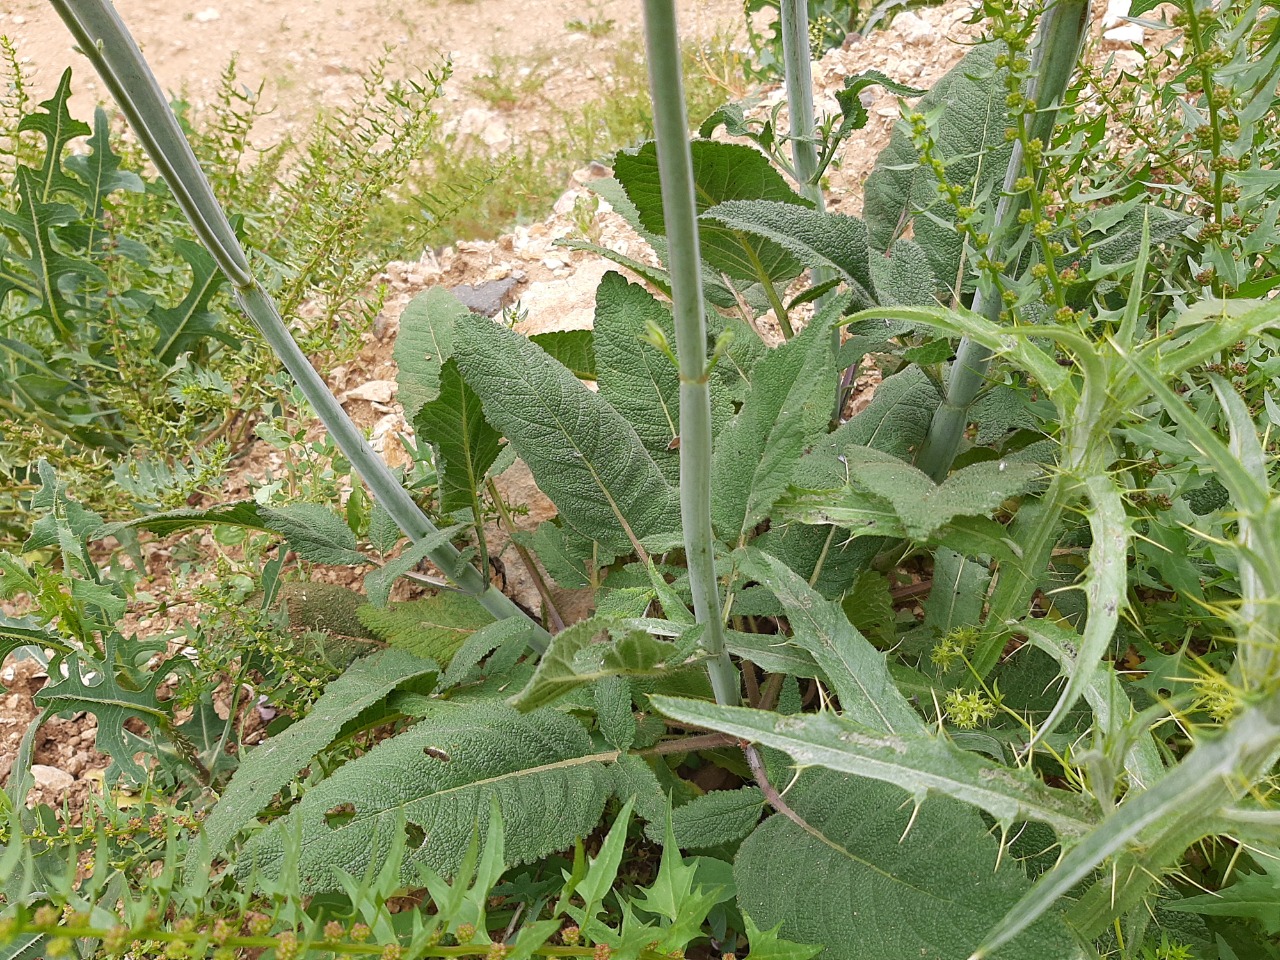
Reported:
(637, 378)
(721, 171)
(924, 506)
(423, 344)
(573, 348)
(581, 451)
(465, 444)
(267, 768)
(881, 880)
(814, 238)
(439, 778)
(788, 407)
(433, 628)
(969, 136)
(593, 650)
(316, 533)
(723, 816)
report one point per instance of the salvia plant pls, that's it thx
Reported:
(988, 668)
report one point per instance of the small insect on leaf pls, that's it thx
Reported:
(674, 444)
(436, 753)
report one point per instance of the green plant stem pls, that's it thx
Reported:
(1035, 532)
(104, 38)
(1060, 33)
(675, 169)
(553, 615)
(798, 75)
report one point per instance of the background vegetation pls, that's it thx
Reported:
(997, 657)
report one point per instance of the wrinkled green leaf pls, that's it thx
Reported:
(581, 451)
(439, 777)
(267, 768)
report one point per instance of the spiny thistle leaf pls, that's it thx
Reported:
(856, 670)
(916, 762)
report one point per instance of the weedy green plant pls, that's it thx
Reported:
(829, 25)
(118, 336)
(966, 689)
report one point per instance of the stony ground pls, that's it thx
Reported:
(306, 49)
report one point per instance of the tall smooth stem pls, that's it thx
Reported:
(798, 75)
(106, 41)
(1059, 36)
(675, 171)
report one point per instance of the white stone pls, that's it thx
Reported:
(375, 391)
(207, 15)
(912, 28)
(1125, 33)
(51, 778)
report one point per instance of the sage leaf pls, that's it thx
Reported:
(895, 881)
(446, 770)
(316, 533)
(581, 451)
(788, 407)
(423, 344)
(465, 444)
(721, 171)
(267, 768)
